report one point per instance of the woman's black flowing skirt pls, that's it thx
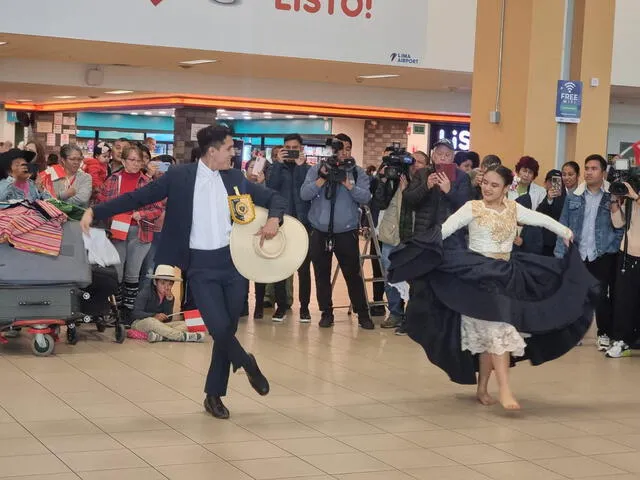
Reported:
(551, 299)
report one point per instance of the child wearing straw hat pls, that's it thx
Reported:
(154, 307)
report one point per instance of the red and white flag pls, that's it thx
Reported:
(120, 226)
(55, 172)
(194, 321)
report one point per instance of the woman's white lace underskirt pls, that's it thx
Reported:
(479, 336)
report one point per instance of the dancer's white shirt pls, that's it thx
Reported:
(491, 231)
(211, 221)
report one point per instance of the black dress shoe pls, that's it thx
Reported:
(326, 320)
(215, 407)
(365, 322)
(257, 380)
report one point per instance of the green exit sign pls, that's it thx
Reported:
(419, 129)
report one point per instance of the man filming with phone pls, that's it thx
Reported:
(439, 190)
(286, 177)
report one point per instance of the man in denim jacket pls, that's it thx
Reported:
(587, 212)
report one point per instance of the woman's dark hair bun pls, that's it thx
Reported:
(504, 172)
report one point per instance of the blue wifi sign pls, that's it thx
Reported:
(569, 102)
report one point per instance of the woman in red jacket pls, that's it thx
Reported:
(131, 232)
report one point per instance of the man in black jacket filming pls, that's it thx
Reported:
(396, 225)
(286, 177)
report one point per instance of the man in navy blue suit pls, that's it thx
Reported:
(195, 238)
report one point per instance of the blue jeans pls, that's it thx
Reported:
(149, 265)
(394, 300)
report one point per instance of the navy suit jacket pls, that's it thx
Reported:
(177, 186)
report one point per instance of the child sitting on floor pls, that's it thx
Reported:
(153, 307)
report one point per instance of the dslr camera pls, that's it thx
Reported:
(397, 162)
(623, 171)
(336, 169)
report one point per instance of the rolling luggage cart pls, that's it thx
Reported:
(42, 292)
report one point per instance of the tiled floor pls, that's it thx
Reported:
(345, 404)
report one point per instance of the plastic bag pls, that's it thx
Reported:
(100, 250)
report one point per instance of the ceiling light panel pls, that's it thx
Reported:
(197, 62)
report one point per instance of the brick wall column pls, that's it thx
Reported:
(379, 134)
(187, 120)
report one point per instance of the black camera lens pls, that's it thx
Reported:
(618, 188)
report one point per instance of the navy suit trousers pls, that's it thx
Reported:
(219, 290)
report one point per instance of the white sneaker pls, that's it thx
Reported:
(305, 316)
(603, 343)
(196, 337)
(279, 315)
(619, 349)
(154, 337)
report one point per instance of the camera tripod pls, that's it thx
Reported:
(371, 239)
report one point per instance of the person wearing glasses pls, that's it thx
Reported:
(137, 228)
(74, 186)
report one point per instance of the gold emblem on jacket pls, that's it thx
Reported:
(242, 208)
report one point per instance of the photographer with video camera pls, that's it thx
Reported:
(286, 177)
(439, 190)
(336, 187)
(396, 225)
(625, 214)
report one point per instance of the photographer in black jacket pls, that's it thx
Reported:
(396, 224)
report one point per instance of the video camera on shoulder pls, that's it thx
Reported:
(623, 171)
(397, 162)
(336, 168)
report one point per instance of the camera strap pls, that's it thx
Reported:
(331, 194)
(332, 210)
(627, 223)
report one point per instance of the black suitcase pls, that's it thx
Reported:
(40, 302)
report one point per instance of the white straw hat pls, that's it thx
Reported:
(277, 259)
(165, 272)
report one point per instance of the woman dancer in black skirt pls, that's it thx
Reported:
(480, 309)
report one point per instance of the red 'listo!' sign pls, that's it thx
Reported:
(351, 8)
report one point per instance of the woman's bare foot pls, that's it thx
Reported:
(485, 399)
(508, 401)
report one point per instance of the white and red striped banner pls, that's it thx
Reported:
(120, 226)
(194, 321)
